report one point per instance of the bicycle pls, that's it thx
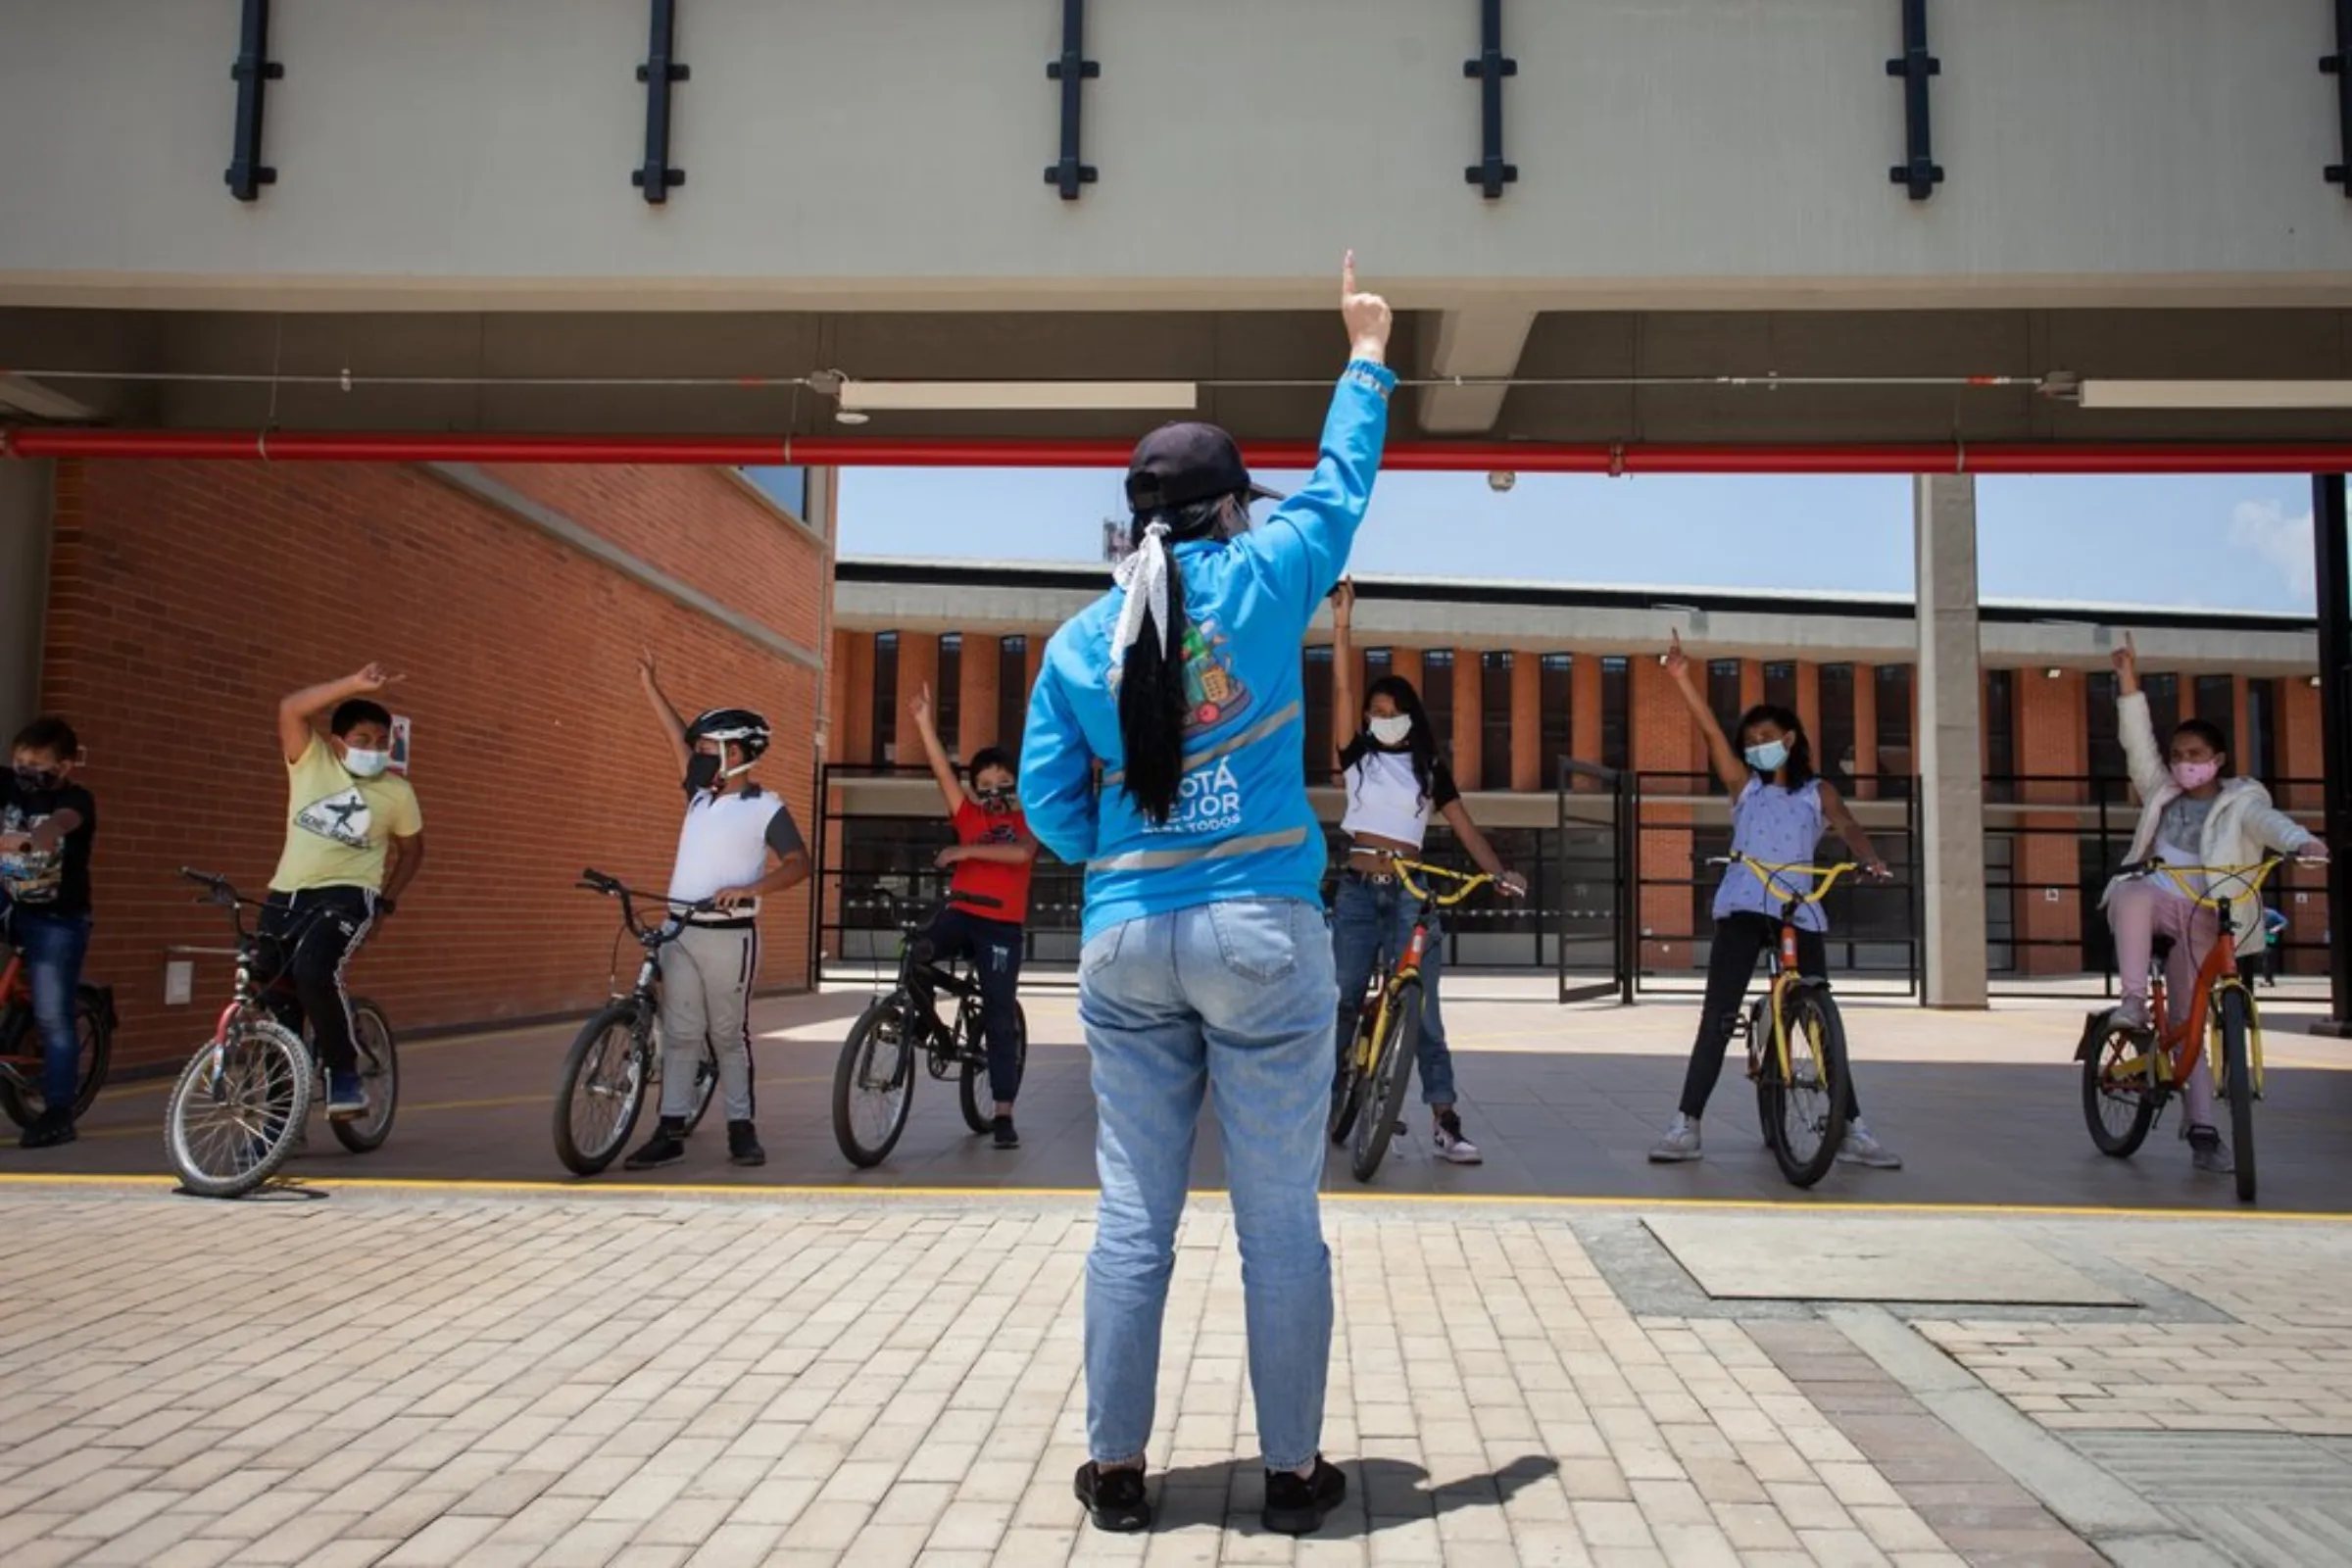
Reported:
(2129, 1074)
(1376, 1068)
(23, 1061)
(1797, 1037)
(616, 1057)
(241, 1105)
(873, 1084)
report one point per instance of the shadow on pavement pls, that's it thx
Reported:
(1382, 1495)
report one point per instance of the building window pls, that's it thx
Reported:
(1780, 685)
(1495, 720)
(946, 705)
(1437, 695)
(1557, 732)
(1616, 713)
(1379, 664)
(1013, 692)
(2164, 704)
(1895, 763)
(2261, 761)
(1834, 747)
(1315, 673)
(2000, 734)
(1723, 700)
(2217, 705)
(2107, 767)
(786, 487)
(886, 697)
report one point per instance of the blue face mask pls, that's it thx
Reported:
(1769, 758)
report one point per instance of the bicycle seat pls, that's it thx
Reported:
(921, 950)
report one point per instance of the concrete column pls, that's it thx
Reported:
(1406, 661)
(1808, 707)
(1531, 770)
(1469, 720)
(1866, 731)
(976, 698)
(25, 529)
(1949, 682)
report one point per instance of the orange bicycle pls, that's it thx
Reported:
(21, 1053)
(2129, 1073)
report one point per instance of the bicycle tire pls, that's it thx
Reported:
(625, 1022)
(1825, 1046)
(255, 1048)
(854, 1070)
(2237, 1067)
(13, 1103)
(93, 1027)
(379, 1069)
(967, 1092)
(1347, 1084)
(2104, 1088)
(1392, 1075)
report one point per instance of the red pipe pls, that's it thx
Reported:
(1520, 456)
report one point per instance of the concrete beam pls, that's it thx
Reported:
(27, 396)
(1479, 340)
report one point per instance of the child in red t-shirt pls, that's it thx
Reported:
(987, 899)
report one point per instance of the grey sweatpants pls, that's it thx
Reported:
(706, 979)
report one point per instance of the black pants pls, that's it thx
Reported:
(316, 933)
(994, 949)
(1740, 939)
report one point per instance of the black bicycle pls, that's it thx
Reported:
(618, 1055)
(873, 1086)
(241, 1104)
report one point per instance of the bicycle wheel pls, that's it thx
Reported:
(237, 1109)
(379, 1069)
(1384, 1089)
(873, 1086)
(20, 1105)
(2121, 1089)
(1347, 1087)
(1807, 1109)
(975, 1076)
(2238, 1083)
(601, 1089)
(94, 1025)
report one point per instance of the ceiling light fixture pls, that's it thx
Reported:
(2100, 393)
(1019, 395)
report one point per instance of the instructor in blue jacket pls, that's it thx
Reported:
(1165, 752)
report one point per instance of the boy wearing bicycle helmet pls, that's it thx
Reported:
(739, 844)
(2192, 814)
(991, 861)
(1781, 810)
(46, 825)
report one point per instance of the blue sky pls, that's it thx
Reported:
(2231, 543)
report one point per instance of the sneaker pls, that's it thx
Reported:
(2133, 1014)
(743, 1144)
(2208, 1153)
(667, 1147)
(49, 1129)
(1680, 1144)
(1861, 1149)
(346, 1097)
(1006, 1136)
(1114, 1497)
(1298, 1506)
(1452, 1145)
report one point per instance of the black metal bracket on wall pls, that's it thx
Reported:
(253, 72)
(1068, 173)
(1489, 173)
(2339, 66)
(1918, 173)
(661, 72)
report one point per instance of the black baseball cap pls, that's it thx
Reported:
(1180, 464)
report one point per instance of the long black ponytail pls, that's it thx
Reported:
(1153, 710)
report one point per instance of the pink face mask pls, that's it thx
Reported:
(2195, 775)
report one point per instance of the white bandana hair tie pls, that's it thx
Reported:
(1145, 576)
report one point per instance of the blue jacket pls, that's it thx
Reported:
(1243, 827)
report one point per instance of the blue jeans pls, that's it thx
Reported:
(994, 949)
(1370, 920)
(1232, 1001)
(52, 947)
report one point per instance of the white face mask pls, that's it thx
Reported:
(366, 764)
(1393, 729)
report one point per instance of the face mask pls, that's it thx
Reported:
(999, 802)
(1393, 729)
(365, 764)
(1769, 758)
(37, 778)
(2195, 775)
(702, 771)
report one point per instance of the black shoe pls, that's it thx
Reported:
(1298, 1508)
(49, 1129)
(743, 1144)
(1007, 1137)
(667, 1147)
(1115, 1498)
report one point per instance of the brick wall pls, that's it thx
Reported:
(187, 598)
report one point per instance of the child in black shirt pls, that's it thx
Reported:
(47, 824)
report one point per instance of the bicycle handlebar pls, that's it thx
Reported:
(1469, 883)
(2249, 877)
(1828, 876)
(900, 903)
(611, 887)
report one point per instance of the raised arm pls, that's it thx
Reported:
(1730, 765)
(926, 724)
(296, 709)
(2136, 727)
(1344, 709)
(672, 726)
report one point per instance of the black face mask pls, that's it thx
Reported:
(38, 778)
(996, 801)
(702, 771)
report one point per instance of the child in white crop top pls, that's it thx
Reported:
(1395, 780)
